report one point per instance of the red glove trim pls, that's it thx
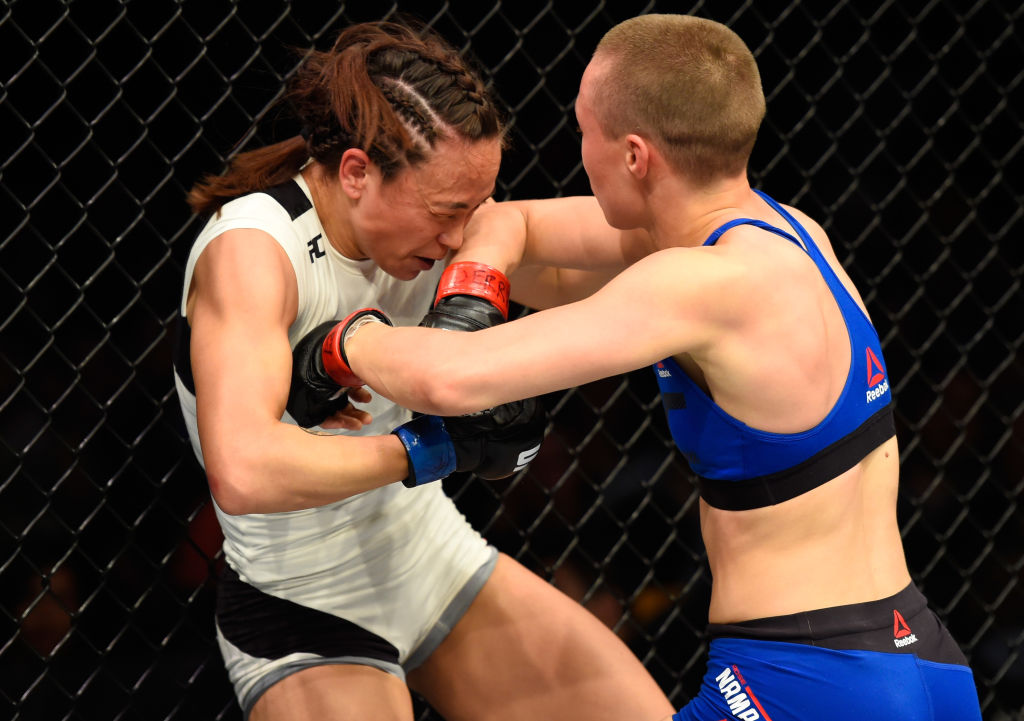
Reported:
(333, 352)
(476, 279)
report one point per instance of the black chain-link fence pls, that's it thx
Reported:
(897, 124)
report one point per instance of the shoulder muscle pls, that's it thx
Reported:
(245, 272)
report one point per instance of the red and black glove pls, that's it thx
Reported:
(470, 296)
(320, 370)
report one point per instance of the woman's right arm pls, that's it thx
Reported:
(241, 302)
(554, 250)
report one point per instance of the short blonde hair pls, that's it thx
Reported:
(689, 84)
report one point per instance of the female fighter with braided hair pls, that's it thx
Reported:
(350, 578)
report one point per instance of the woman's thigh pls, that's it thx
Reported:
(525, 650)
(339, 692)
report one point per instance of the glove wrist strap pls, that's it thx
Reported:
(334, 359)
(430, 450)
(476, 279)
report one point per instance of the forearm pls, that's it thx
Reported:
(540, 287)
(273, 466)
(496, 236)
(449, 373)
(425, 369)
(255, 462)
(555, 251)
(547, 232)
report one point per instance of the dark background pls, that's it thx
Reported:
(898, 125)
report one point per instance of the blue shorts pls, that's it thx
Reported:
(881, 660)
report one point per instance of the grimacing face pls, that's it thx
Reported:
(418, 216)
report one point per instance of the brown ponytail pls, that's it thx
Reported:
(386, 88)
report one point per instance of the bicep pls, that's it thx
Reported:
(245, 297)
(572, 232)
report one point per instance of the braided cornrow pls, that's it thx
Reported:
(428, 90)
(389, 89)
(421, 122)
(325, 138)
(466, 80)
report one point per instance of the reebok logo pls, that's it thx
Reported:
(901, 633)
(875, 393)
(663, 372)
(876, 375)
(743, 704)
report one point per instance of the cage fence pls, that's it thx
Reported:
(897, 124)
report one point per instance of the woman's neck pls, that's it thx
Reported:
(332, 210)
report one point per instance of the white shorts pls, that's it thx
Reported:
(416, 576)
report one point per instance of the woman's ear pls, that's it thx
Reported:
(638, 156)
(352, 172)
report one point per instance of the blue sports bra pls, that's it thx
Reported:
(739, 467)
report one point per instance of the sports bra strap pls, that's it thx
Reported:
(717, 233)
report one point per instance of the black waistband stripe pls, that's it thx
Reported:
(901, 623)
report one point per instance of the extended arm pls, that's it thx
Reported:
(665, 304)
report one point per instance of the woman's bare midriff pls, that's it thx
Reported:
(834, 545)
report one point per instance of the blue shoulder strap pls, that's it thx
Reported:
(717, 233)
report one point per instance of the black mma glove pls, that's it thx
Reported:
(499, 441)
(470, 296)
(320, 371)
(492, 444)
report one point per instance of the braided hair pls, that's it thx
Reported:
(389, 89)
